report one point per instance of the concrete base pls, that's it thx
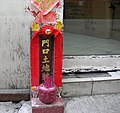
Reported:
(73, 87)
(14, 95)
(56, 107)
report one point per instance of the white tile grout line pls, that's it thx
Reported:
(92, 87)
(76, 80)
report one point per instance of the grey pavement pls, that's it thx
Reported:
(84, 104)
(93, 104)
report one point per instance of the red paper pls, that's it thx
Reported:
(45, 6)
(49, 18)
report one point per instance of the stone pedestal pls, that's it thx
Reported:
(39, 107)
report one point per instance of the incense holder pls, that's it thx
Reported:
(47, 95)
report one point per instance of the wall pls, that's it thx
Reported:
(14, 44)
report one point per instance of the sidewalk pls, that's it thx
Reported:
(84, 104)
(93, 104)
(21, 107)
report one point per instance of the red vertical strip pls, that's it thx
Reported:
(58, 59)
(34, 61)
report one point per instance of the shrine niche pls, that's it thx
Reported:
(46, 50)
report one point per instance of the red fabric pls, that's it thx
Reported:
(34, 56)
(34, 61)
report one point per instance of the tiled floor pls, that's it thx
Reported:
(77, 44)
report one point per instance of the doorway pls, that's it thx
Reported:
(90, 28)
